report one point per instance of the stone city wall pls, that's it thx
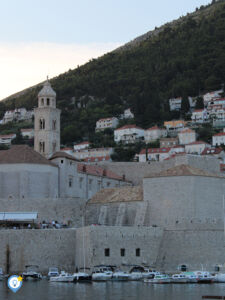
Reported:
(45, 248)
(136, 171)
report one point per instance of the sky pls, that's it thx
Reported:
(49, 37)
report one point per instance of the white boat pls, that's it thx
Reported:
(120, 276)
(159, 279)
(204, 277)
(220, 277)
(102, 273)
(179, 278)
(31, 273)
(62, 277)
(1, 274)
(81, 277)
(138, 273)
(52, 272)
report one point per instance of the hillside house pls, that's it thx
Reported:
(81, 146)
(105, 123)
(154, 133)
(186, 136)
(6, 139)
(175, 125)
(218, 139)
(208, 97)
(154, 154)
(168, 142)
(92, 153)
(196, 147)
(27, 133)
(129, 134)
(200, 116)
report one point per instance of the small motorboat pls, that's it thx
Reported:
(102, 273)
(204, 277)
(219, 277)
(31, 273)
(120, 276)
(139, 272)
(52, 272)
(159, 279)
(179, 278)
(81, 277)
(62, 277)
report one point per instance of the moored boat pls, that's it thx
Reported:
(81, 277)
(102, 273)
(31, 273)
(179, 278)
(203, 277)
(52, 272)
(62, 277)
(159, 279)
(220, 277)
(120, 276)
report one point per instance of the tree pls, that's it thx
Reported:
(185, 105)
(199, 103)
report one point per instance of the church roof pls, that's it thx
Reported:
(184, 170)
(47, 90)
(62, 154)
(23, 154)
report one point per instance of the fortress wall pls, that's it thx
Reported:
(60, 209)
(136, 171)
(185, 202)
(200, 249)
(98, 238)
(45, 248)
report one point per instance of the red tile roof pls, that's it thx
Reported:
(95, 159)
(83, 143)
(105, 119)
(7, 136)
(220, 134)
(129, 127)
(27, 129)
(97, 171)
(197, 143)
(155, 150)
(187, 130)
(153, 128)
(211, 151)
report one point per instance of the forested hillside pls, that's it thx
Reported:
(185, 58)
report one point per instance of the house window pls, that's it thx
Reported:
(107, 252)
(70, 181)
(48, 101)
(122, 252)
(54, 124)
(138, 252)
(80, 182)
(42, 101)
(217, 268)
(99, 185)
(62, 161)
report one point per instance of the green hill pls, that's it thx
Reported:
(184, 57)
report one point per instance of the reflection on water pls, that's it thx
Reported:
(44, 290)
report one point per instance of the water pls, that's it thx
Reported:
(44, 290)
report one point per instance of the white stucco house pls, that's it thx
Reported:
(218, 139)
(27, 132)
(6, 139)
(129, 134)
(154, 133)
(81, 146)
(154, 154)
(105, 123)
(200, 116)
(196, 147)
(186, 136)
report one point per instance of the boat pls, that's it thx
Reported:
(1, 274)
(179, 278)
(120, 276)
(31, 273)
(102, 273)
(52, 272)
(192, 278)
(138, 273)
(203, 277)
(81, 277)
(219, 277)
(62, 277)
(159, 279)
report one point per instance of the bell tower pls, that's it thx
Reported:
(47, 122)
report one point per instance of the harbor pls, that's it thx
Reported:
(110, 290)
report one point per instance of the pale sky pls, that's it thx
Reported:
(48, 37)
